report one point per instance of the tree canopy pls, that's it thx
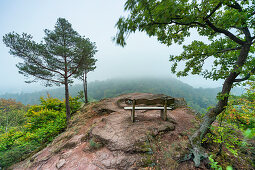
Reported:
(229, 26)
(87, 51)
(55, 59)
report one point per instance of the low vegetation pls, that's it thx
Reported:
(234, 132)
(229, 143)
(11, 114)
(41, 124)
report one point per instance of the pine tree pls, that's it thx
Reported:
(55, 59)
(87, 51)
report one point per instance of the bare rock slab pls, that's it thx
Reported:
(118, 133)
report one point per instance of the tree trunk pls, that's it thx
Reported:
(211, 115)
(85, 86)
(68, 112)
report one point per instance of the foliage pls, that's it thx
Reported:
(54, 60)
(226, 24)
(81, 96)
(11, 114)
(88, 51)
(43, 123)
(229, 29)
(214, 164)
(236, 126)
(241, 111)
(228, 136)
(46, 60)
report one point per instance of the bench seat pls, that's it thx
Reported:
(148, 108)
(166, 102)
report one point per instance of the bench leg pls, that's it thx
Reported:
(165, 114)
(162, 114)
(133, 112)
(133, 115)
(165, 111)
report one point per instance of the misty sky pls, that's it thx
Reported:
(143, 56)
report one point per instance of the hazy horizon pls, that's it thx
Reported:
(43, 88)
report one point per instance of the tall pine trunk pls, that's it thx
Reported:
(68, 112)
(85, 86)
(211, 115)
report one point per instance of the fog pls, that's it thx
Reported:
(143, 55)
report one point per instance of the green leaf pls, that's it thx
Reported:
(229, 168)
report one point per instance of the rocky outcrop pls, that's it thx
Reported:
(102, 136)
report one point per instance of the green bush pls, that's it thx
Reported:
(75, 104)
(43, 123)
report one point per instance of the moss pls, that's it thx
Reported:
(148, 161)
(95, 144)
(143, 147)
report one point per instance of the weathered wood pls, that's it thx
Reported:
(163, 101)
(161, 113)
(170, 101)
(165, 111)
(133, 111)
(148, 108)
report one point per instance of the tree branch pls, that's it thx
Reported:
(229, 49)
(219, 30)
(246, 77)
(55, 65)
(244, 29)
(178, 23)
(213, 11)
(252, 38)
(206, 19)
(39, 64)
(227, 33)
(76, 68)
(43, 78)
(235, 6)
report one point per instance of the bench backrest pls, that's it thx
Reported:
(169, 101)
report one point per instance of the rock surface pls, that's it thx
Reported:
(102, 136)
(60, 163)
(119, 133)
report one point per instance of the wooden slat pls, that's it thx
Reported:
(151, 101)
(162, 101)
(147, 108)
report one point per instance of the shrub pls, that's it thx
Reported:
(43, 123)
(235, 128)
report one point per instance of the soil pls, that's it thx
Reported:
(102, 136)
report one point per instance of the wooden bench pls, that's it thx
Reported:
(167, 104)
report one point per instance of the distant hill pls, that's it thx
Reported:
(198, 98)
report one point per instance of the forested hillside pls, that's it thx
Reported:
(198, 98)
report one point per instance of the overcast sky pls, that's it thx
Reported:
(143, 56)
